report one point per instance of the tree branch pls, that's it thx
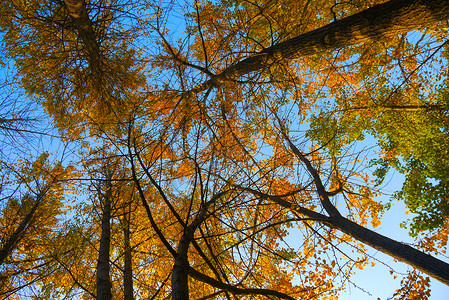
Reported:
(233, 289)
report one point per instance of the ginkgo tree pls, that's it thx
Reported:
(231, 132)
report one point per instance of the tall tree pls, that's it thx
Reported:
(104, 285)
(128, 265)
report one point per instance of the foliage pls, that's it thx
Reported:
(224, 148)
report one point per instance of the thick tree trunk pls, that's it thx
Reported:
(409, 255)
(383, 20)
(428, 264)
(104, 285)
(128, 268)
(180, 274)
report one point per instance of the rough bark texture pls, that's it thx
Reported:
(383, 20)
(104, 285)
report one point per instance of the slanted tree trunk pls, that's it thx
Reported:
(428, 264)
(413, 257)
(402, 252)
(104, 285)
(12, 241)
(384, 20)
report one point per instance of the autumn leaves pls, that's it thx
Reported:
(199, 154)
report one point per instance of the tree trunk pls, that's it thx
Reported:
(426, 263)
(104, 285)
(78, 13)
(415, 258)
(128, 268)
(384, 20)
(12, 241)
(180, 274)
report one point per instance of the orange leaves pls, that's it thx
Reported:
(281, 186)
(436, 240)
(413, 287)
(363, 207)
(164, 107)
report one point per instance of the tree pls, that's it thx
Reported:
(29, 216)
(214, 129)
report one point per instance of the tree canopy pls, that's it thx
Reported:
(220, 149)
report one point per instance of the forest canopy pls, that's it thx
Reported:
(221, 149)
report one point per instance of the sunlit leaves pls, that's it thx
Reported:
(223, 172)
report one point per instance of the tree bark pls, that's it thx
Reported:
(384, 20)
(104, 285)
(426, 263)
(128, 268)
(434, 267)
(180, 274)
